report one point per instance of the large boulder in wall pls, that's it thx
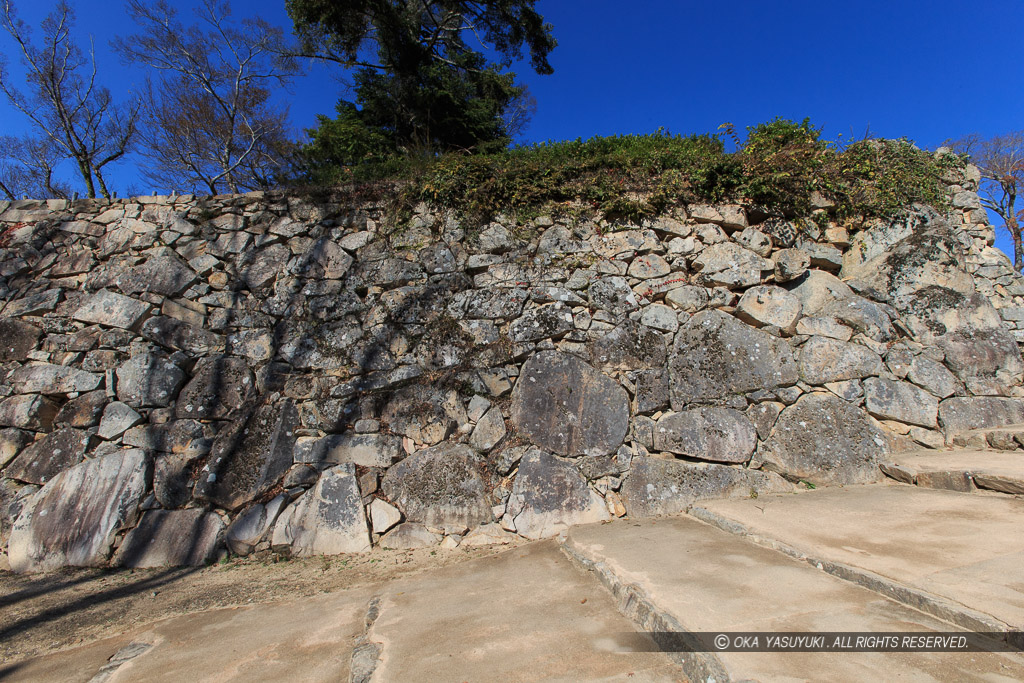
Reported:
(73, 520)
(567, 407)
(550, 495)
(328, 519)
(715, 357)
(668, 487)
(249, 457)
(825, 440)
(440, 486)
(918, 263)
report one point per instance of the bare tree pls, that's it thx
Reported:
(519, 112)
(63, 100)
(27, 167)
(1001, 161)
(210, 121)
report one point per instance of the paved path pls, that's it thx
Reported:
(525, 615)
(889, 557)
(698, 578)
(961, 548)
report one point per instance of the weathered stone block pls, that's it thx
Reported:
(816, 289)
(768, 305)
(250, 457)
(112, 310)
(171, 538)
(263, 267)
(73, 520)
(564, 405)
(181, 336)
(46, 378)
(439, 486)
(959, 415)
(48, 457)
(613, 294)
(863, 316)
(17, 339)
(790, 264)
(149, 379)
(28, 412)
(630, 346)
(409, 536)
(220, 386)
(489, 431)
(716, 356)
(117, 419)
(708, 433)
(163, 273)
(729, 265)
(550, 495)
(900, 401)
(830, 360)
(668, 487)
(329, 519)
(367, 450)
(825, 440)
(543, 322)
(932, 376)
(11, 443)
(252, 526)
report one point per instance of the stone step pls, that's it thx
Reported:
(685, 576)
(960, 470)
(1005, 438)
(955, 556)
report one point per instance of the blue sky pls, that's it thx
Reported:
(901, 68)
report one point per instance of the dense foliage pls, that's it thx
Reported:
(777, 168)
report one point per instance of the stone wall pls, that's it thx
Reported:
(185, 374)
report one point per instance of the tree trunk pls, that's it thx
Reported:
(86, 172)
(1018, 247)
(103, 185)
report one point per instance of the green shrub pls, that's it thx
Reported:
(777, 168)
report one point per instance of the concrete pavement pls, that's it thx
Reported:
(964, 550)
(880, 558)
(524, 615)
(693, 577)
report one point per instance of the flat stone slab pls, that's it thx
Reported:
(668, 487)
(46, 378)
(708, 580)
(965, 548)
(567, 407)
(73, 520)
(112, 310)
(992, 470)
(447, 625)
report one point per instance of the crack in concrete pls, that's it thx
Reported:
(366, 655)
(125, 654)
